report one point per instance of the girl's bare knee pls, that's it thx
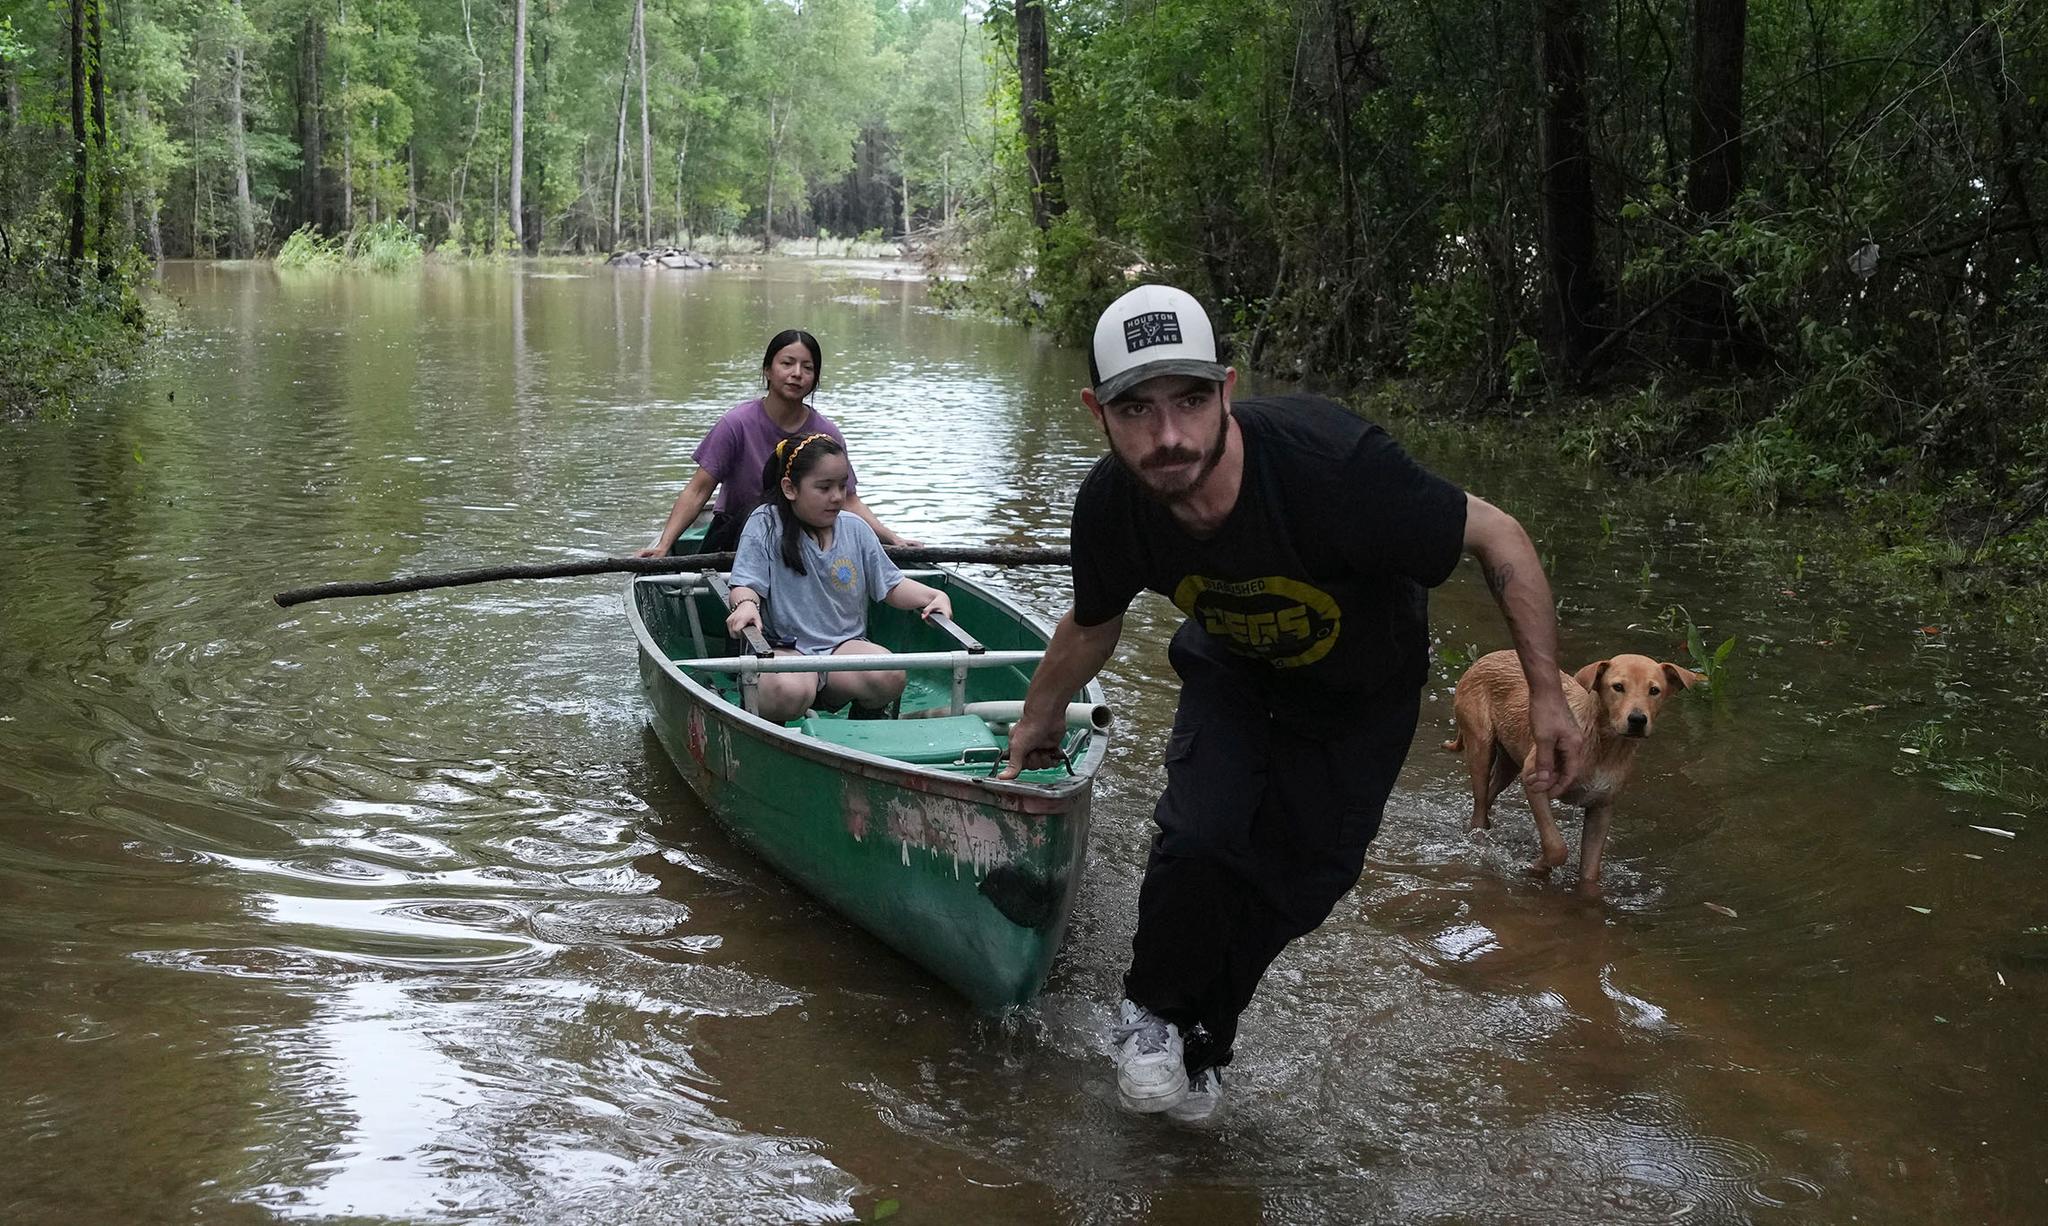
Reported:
(781, 700)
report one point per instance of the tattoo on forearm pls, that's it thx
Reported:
(1498, 577)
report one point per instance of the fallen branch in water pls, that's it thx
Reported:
(992, 555)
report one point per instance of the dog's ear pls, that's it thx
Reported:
(1589, 676)
(1681, 678)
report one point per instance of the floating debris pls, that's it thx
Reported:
(1921, 910)
(1718, 909)
(2003, 834)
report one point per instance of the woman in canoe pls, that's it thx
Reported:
(733, 454)
(816, 565)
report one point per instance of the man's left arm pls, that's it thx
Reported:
(1514, 575)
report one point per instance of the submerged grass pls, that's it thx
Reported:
(387, 246)
(1931, 750)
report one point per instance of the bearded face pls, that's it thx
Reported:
(1169, 433)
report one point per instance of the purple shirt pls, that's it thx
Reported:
(738, 446)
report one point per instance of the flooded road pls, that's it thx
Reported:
(394, 910)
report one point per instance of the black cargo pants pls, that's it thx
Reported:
(1262, 828)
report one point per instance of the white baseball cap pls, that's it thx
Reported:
(1153, 330)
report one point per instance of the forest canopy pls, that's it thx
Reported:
(1800, 245)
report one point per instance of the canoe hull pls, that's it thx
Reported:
(970, 879)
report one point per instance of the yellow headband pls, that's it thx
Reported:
(790, 465)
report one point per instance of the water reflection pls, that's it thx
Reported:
(394, 909)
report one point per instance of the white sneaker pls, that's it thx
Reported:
(1149, 1073)
(1204, 1100)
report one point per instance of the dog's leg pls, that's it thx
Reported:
(1591, 840)
(1479, 755)
(1552, 853)
(1504, 773)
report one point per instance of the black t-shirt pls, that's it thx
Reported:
(1312, 592)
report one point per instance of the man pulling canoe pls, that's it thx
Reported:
(1299, 540)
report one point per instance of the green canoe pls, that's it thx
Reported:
(896, 824)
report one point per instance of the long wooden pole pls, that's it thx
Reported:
(997, 555)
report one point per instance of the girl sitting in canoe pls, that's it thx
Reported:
(816, 564)
(735, 450)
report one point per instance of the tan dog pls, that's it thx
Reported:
(1615, 702)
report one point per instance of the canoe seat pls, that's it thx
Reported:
(947, 738)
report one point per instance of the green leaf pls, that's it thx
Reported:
(886, 1208)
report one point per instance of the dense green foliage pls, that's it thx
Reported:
(1797, 247)
(57, 335)
(1805, 250)
(362, 133)
(235, 123)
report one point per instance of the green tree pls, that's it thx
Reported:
(811, 60)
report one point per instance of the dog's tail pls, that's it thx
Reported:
(1456, 744)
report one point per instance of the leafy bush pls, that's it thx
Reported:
(56, 336)
(1449, 325)
(387, 246)
(306, 249)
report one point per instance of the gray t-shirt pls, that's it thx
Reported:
(824, 607)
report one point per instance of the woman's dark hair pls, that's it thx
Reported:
(795, 336)
(809, 449)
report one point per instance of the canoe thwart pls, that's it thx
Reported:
(1091, 715)
(880, 662)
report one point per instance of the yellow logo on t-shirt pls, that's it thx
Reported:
(1282, 621)
(843, 573)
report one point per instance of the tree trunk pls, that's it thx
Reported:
(151, 229)
(906, 204)
(2012, 164)
(619, 149)
(774, 157)
(376, 163)
(103, 240)
(1570, 239)
(1041, 150)
(682, 159)
(646, 129)
(348, 161)
(238, 149)
(543, 86)
(1707, 318)
(81, 167)
(198, 188)
(311, 203)
(518, 118)
(459, 180)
